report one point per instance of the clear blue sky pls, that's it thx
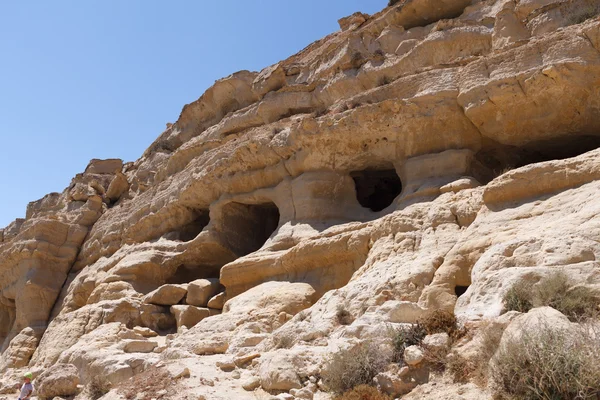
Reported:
(101, 78)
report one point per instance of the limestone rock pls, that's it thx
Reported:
(217, 302)
(58, 380)
(189, 316)
(166, 295)
(413, 355)
(201, 291)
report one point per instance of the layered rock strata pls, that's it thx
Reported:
(426, 157)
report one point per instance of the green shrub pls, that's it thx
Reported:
(363, 392)
(549, 364)
(357, 366)
(556, 291)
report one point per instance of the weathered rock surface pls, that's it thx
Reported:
(58, 380)
(426, 157)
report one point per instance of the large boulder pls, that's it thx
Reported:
(58, 380)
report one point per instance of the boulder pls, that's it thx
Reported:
(139, 346)
(217, 302)
(58, 380)
(188, 316)
(200, 292)
(413, 355)
(166, 295)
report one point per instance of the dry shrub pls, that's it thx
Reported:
(284, 341)
(518, 297)
(440, 321)
(476, 369)
(97, 387)
(356, 366)
(154, 383)
(556, 291)
(392, 2)
(363, 392)
(549, 364)
(342, 315)
(405, 337)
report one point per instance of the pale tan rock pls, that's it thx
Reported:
(413, 355)
(139, 346)
(217, 302)
(188, 316)
(258, 182)
(200, 291)
(58, 380)
(166, 295)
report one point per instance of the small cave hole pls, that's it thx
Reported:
(460, 290)
(247, 227)
(376, 189)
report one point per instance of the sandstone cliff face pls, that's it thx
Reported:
(426, 157)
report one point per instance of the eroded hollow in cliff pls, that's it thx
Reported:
(192, 229)
(376, 189)
(188, 273)
(495, 159)
(460, 290)
(246, 227)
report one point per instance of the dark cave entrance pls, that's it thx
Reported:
(495, 159)
(190, 231)
(247, 227)
(460, 290)
(376, 189)
(188, 273)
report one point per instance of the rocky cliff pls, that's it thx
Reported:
(428, 157)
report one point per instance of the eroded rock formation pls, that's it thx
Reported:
(423, 158)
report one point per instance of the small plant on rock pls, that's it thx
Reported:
(343, 316)
(356, 366)
(518, 298)
(440, 321)
(392, 2)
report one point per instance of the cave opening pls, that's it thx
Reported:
(460, 290)
(495, 159)
(376, 189)
(246, 227)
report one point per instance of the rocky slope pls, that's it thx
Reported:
(426, 157)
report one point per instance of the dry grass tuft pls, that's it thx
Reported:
(343, 316)
(357, 366)
(557, 291)
(549, 364)
(475, 369)
(363, 392)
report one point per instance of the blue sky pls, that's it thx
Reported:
(101, 78)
